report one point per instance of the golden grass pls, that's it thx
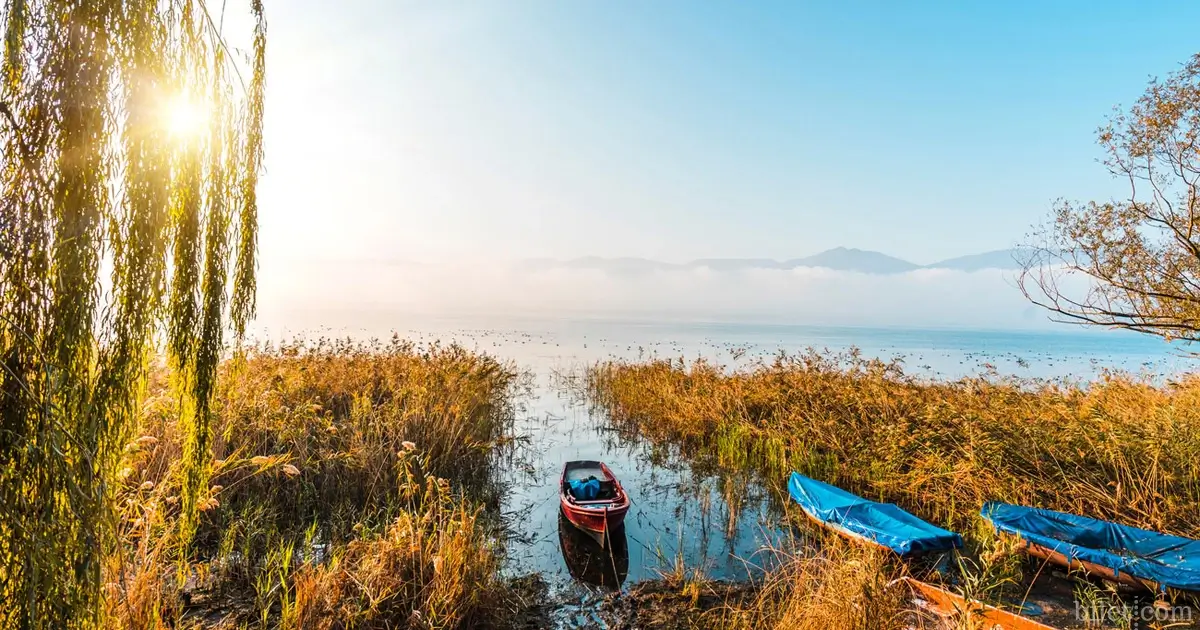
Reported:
(432, 568)
(838, 586)
(349, 488)
(841, 587)
(1118, 449)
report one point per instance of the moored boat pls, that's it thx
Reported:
(880, 524)
(1115, 552)
(592, 499)
(955, 608)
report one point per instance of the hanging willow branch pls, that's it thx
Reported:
(99, 171)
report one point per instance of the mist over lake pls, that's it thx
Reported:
(373, 294)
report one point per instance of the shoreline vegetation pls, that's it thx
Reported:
(350, 488)
(352, 485)
(1119, 449)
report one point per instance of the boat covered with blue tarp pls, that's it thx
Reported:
(1114, 551)
(882, 524)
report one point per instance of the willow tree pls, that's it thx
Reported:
(1133, 262)
(131, 133)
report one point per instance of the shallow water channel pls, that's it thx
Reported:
(714, 525)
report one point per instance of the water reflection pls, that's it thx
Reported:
(587, 561)
(714, 523)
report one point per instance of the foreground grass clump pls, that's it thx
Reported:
(432, 567)
(840, 586)
(1118, 449)
(350, 487)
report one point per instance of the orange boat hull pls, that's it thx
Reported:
(1088, 568)
(947, 604)
(596, 518)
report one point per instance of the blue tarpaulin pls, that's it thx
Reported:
(585, 490)
(882, 523)
(1170, 561)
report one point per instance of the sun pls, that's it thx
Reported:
(184, 117)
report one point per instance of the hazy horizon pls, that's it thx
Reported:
(402, 261)
(356, 295)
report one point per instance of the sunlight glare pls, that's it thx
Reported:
(185, 118)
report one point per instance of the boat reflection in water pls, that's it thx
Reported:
(588, 561)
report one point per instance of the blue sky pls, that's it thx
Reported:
(677, 130)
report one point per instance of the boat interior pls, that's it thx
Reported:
(584, 470)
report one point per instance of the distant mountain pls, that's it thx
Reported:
(735, 264)
(843, 259)
(999, 259)
(616, 266)
(837, 259)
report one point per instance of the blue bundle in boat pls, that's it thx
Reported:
(585, 489)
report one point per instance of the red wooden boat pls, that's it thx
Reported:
(598, 516)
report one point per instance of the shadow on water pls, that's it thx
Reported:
(587, 561)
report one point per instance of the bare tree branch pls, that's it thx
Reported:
(1132, 264)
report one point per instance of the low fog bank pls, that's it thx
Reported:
(306, 295)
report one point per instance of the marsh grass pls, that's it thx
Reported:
(838, 587)
(432, 567)
(1119, 449)
(350, 487)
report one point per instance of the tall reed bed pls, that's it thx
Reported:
(1118, 448)
(350, 487)
(838, 586)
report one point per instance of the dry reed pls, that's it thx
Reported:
(349, 488)
(1118, 449)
